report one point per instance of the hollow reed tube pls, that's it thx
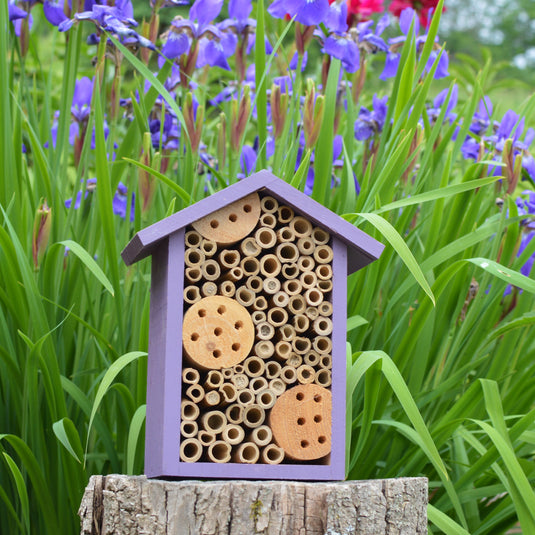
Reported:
(285, 235)
(268, 220)
(323, 378)
(306, 246)
(272, 454)
(280, 299)
(191, 294)
(210, 270)
(286, 332)
(285, 214)
(264, 349)
(254, 366)
(266, 398)
(287, 253)
(190, 376)
(265, 331)
(249, 247)
(229, 258)
(325, 308)
(189, 428)
(233, 434)
(234, 413)
(208, 247)
(325, 286)
(261, 435)
(193, 274)
(258, 316)
(250, 266)
(288, 375)
(228, 393)
(260, 303)
(253, 415)
(323, 254)
(322, 326)
(192, 239)
(189, 410)
(248, 453)
(290, 271)
(195, 393)
(255, 283)
(244, 296)
(190, 450)
(305, 374)
(306, 263)
(268, 204)
(208, 289)
(265, 237)
(301, 227)
(194, 257)
(270, 265)
(219, 451)
(277, 316)
(277, 386)
(214, 421)
(257, 384)
(320, 236)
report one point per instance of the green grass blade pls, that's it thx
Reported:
(136, 425)
(21, 490)
(67, 434)
(444, 522)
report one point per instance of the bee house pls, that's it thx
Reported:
(247, 341)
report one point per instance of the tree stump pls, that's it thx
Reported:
(120, 505)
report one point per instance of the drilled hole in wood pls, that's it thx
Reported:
(317, 398)
(218, 331)
(238, 325)
(194, 337)
(300, 396)
(318, 418)
(233, 218)
(247, 208)
(202, 313)
(214, 223)
(216, 353)
(236, 346)
(304, 443)
(221, 310)
(322, 439)
(300, 421)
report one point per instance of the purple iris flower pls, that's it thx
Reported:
(166, 136)
(371, 123)
(247, 161)
(15, 12)
(481, 119)
(234, 86)
(307, 12)
(434, 111)
(90, 187)
(54, 11)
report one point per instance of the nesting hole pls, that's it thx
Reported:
(300, 396)
(305, 444)
(202, 313)
(322, 439)
(317, 398)
(236, 346)
(218, 331)
(247, 208)
(221, 310)
(233, 218)
(194, 337)
(216, 353)
(214, 223)
(318, 418)
(238, 325)
(300, 421)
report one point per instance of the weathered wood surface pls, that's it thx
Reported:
(120, 505)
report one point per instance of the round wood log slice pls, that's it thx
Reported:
(217, 333)
(232, 222)
(301, 422)
(130, 505)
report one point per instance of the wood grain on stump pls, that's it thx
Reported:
(128, 505)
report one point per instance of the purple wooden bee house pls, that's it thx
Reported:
(247, 342)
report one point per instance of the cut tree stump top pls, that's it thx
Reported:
(120, 505)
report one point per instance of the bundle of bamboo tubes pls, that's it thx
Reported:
(256, 336)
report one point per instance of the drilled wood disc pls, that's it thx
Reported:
(301, 422)
(217, 333)
(232, 222)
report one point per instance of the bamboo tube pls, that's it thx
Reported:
(249, 247)
(190, 450)
(192, 239)
(272, 454)
(286, 332)
(301, 345)
(294, 360)
(285, 214)
(301, 323)
(277, 386)
(214, 421)
(283, 350)
(306, 246)
(193, 274)
(212, 398)
(280, 299)
(288, 375)
(322, 344)
(206, 438)
(194, 257)
(322, 326)
(250, 266)
(238, 369)
(244, 296)
(285, 235)
(320, 236)
(254, 366)
(323, 254)
(234, 413)
(308, 279)
(325, 309)
(240, 381)
(265, 237)
(305, 374)
(258, 316)
(233, 434)
(306, 263)
(228, 392)
(273, 369)
(290, 271)
(313, 297)
(245, 397)
(271, 285)
(195, 393)
(247, 453)
(233, 275)
(219, 451)
(266, 398)
(297, 304)
(191, 294)
(287, 253)
(190, 376)
(270, 265)
(264, 349)
(227, 373)
(268, 204)
(323, 378)
(208, 247)
(189, 428)
(210, 270)
(301, 227)
(277, 316)
(324, 272)
(265, 331)
(208, 289)
(312, 313)
(326, 362)
(292, 287)
(253, 415)
(229, 258)
(268, 220)
(258, 384)
(261, 435)
(255, 284)
(227, 289)
(325, 286)
(312, 358)
(260, 303)
(189, 410)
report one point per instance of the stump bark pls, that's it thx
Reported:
(120, 505)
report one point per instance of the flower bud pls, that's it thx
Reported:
(193, 118)
(41, 232)
(312, 115)
(279, 109)
(222, 140)
(146, 182)
(239, 117)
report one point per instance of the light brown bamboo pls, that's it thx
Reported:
(208, 289)
(305, 374)
(261, 435)
(270, 265)
(297, 304)
(301, 227)
(264, 349)
(194, 257)
(265, 237)
(308, 279)
(229, 258)
(287, 253)
(244, 296)
(312, 358)
(266, 398)
(247, 453)
(271, 285)
(322, 326)
(253, 415)
(292, 287)
(255, 283)
(234, 413)
(265, 331)
(190, 450)
(210, 270)
(228, 393)
(240, 380)
(233, 275)
(272, 454)
(249, 247)
(322, 344)
(283, 350)
(290, 271)
(285, 235)
(190, 376)
(195, 393)
(212, 398)
(193, 274)
(286, 332)
(227, 289)
(258, 384)
(301, 323)
(277, 316)
(214, 421)
(233, 434)
(280, 299)
(191, 294)
(206, 438)
(320, 236)
(219, 452)
(277, 385)
(250, 266)
(301, 345)
(245, 397)
(189, 428)
(294, 360)
(227, 373)
(254, 366)
(258, 316)
(238, 368)
(285, 214)
(325, 309)
(260, 303)
(288, 375)
(208, 247)
(273, 369)
(323, 378)
(306, 263)
(323, 254)
(313, 297)
(326, 362)
(324, 272)
(306, 246)
(189, 410)
(268, 204)
(268, 220)
(311, 313)
(193, 239)
(325, 286)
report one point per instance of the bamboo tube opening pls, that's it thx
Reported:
(268, 220)
(287, 252)
(269, 204)
(208, 247)
(190, 450)
(248, 453)
(193, 274)
(240, 380)
(227, 373)
(227, 289)
(189, 428)
(271, 285)
(260, 303)
(273, 369)
(219, 452)
(286, 332)
(206, 438)
(306, 263)
(301, 227)
(320, 236)
(285, 235)
(301, 345)
(262, 435)
(272, 454)
(189, 410)
(280, 299)
(194, 257)
(264, 349)
(192, 239)
(295, 360)
(285, 214)
(301, 323)
(258, 316)
(312, 313)
(283, 350)
(249, 247)
(254, 366)
(265, 331)
(233, 434)
(266, 398)
(211, 399)
(326, 362)
(245, 397)
(270, 265)
(277, 386)
(229, 258)
(290, 271)
(208, 289)
(253, 416)
(288, 375)
(234, 414)
(305, 374)
(190, 376)
(306, 246)
(297, 304)
(325, 309)
(214, 421)
(191, 294)
(244, 296)
(309, 279)
(325, 286)
(323, 378)
(228, 392)
(258, 384)
(254, 284)
(292, 287)
(250, 266)
(234, 274)
(195, 393)
(211, 270)
(277, 316)
(323, 254)
(324, 272)
(313, 297)
(238, 369)
(322, 344)
(265, 237)
(312, 358)
(323, 326)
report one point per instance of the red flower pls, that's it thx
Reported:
(422, 7)
(359, 10)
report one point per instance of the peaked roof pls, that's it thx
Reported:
(362, 249)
